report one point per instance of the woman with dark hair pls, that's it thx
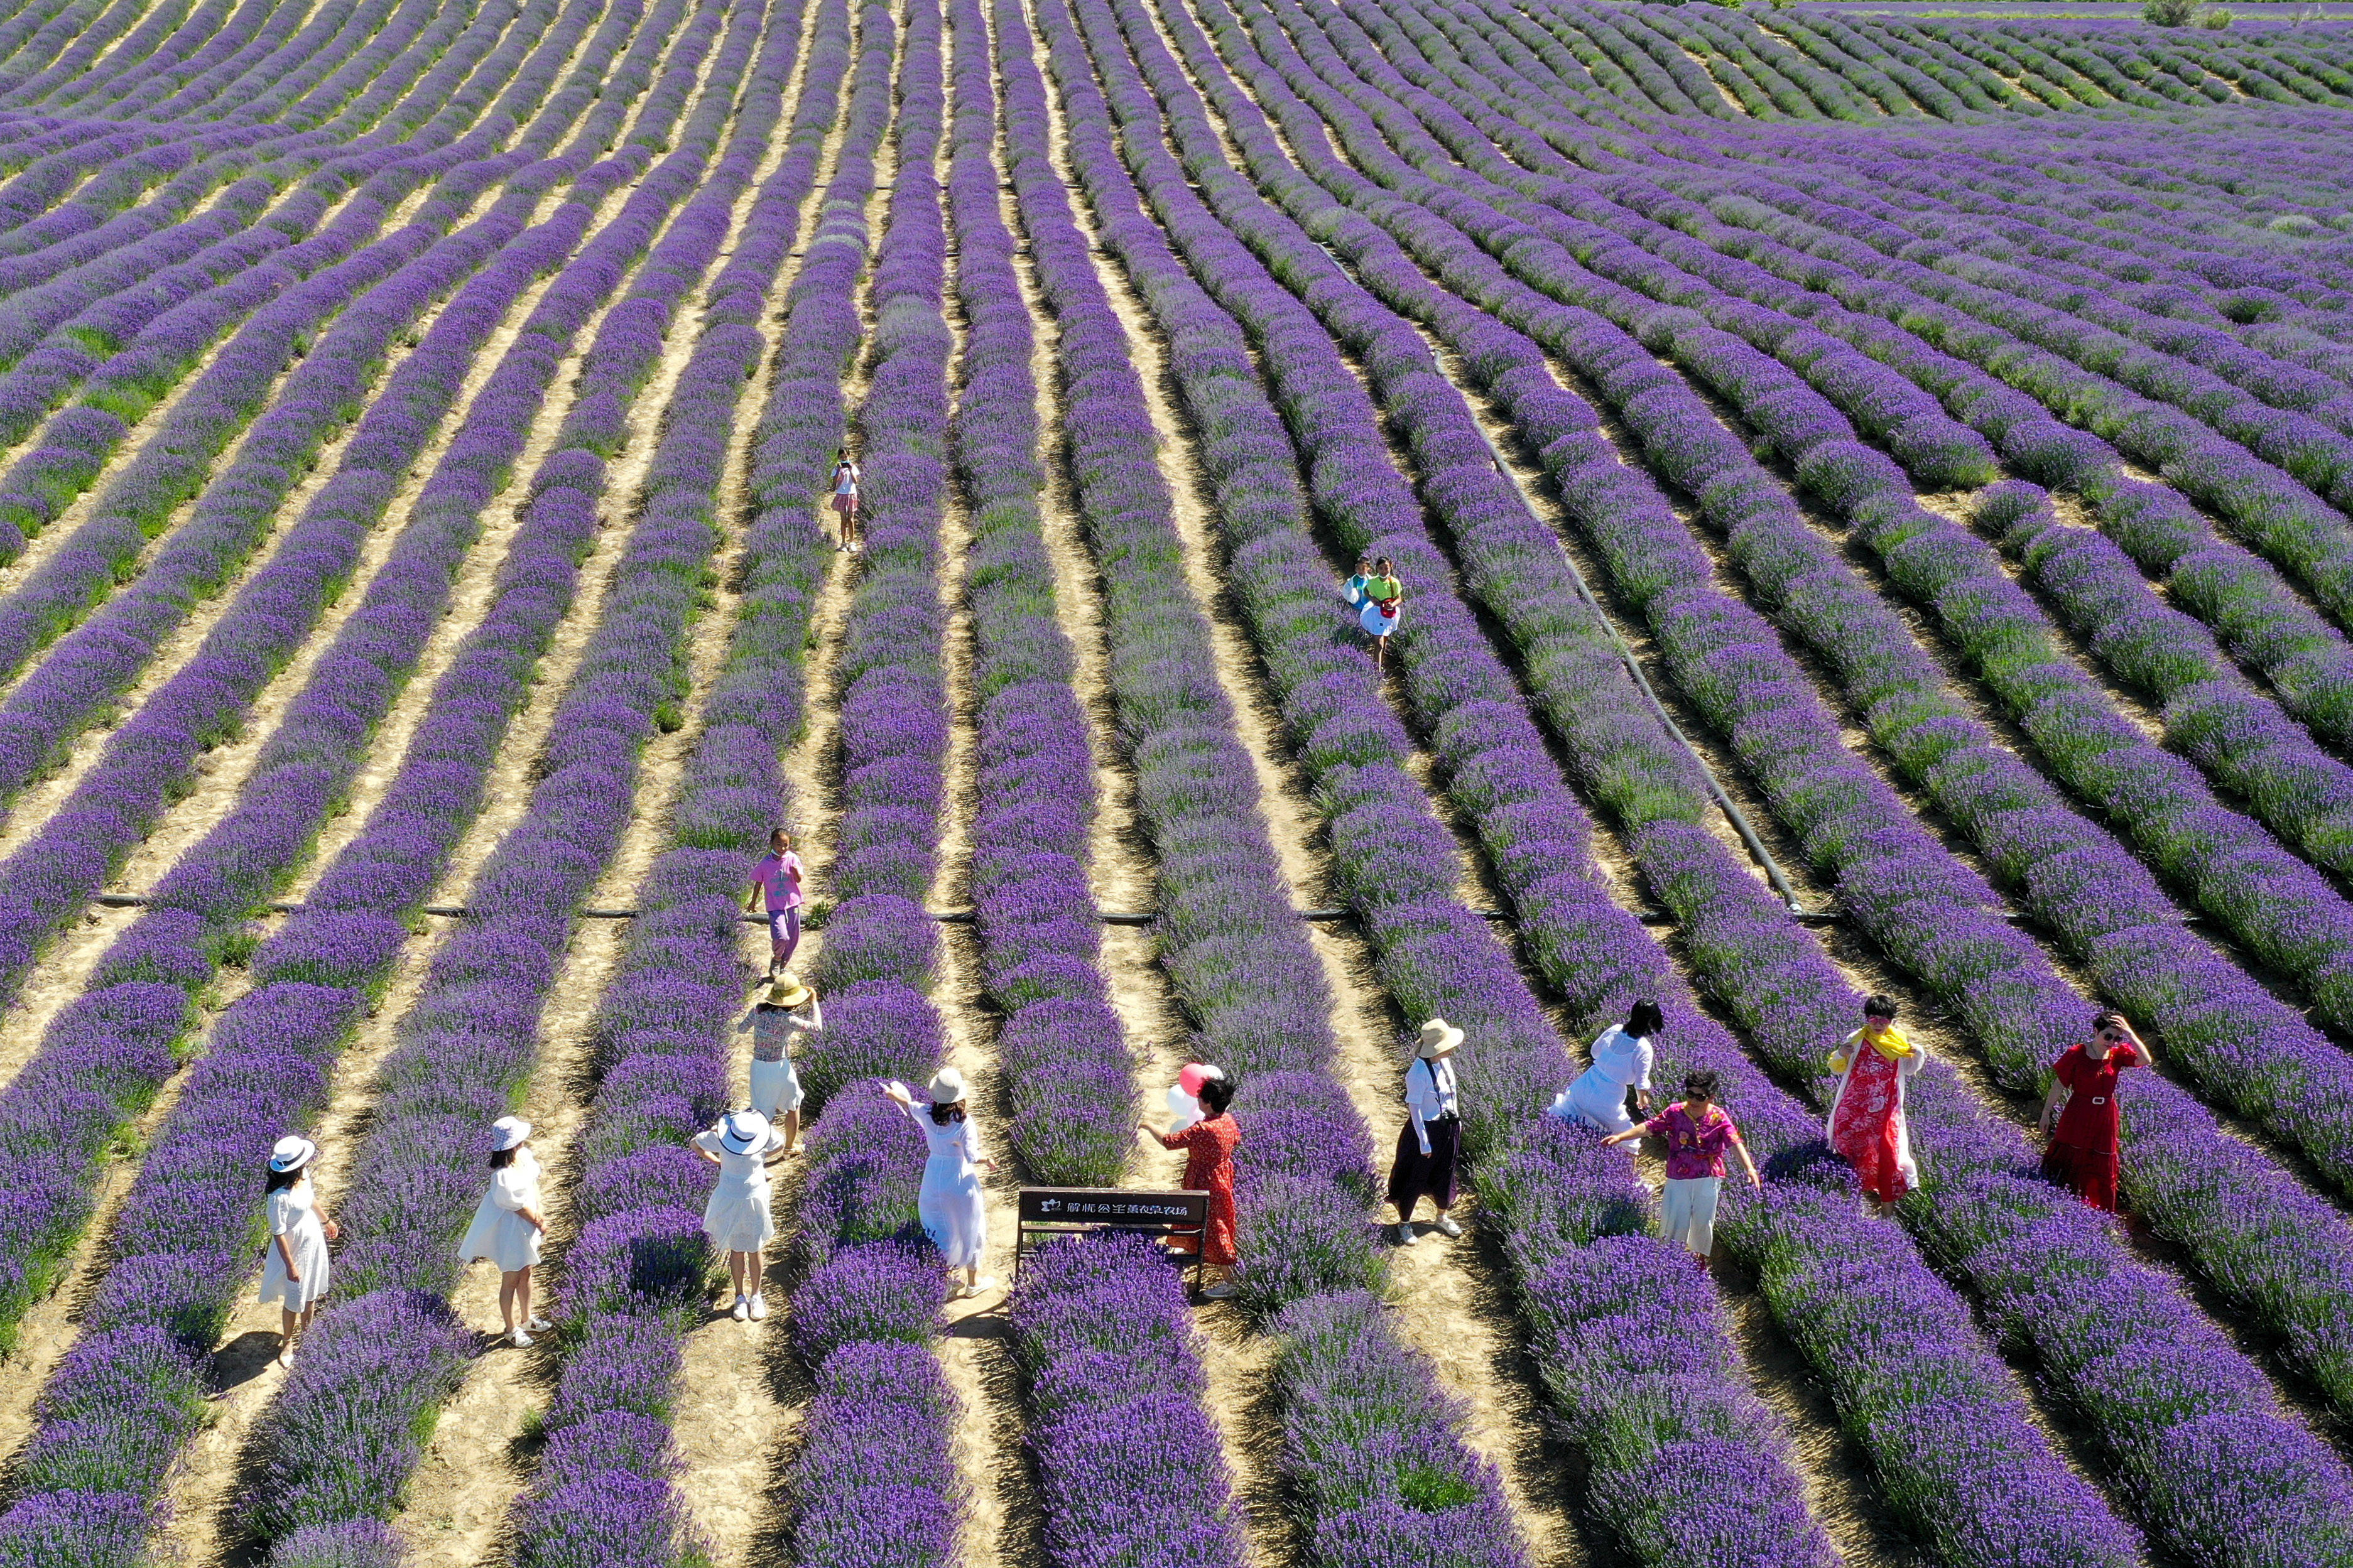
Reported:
(1209, 1146)
(1622, 1059)
(2085, 1136)
(508, 1225)
(844, 480)
(296, 1271)
(1697, 1132)
(1867, 1125)
(951, 1204)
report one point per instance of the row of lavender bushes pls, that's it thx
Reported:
(131, 1393)
(633, 1278)
(1435, 954)
(1985, 1210)
(1900, 888)
(1401, 1485)
(871, 1291)
(115, 803)
(468, 1044)
(1127, 1455)
(312, 757)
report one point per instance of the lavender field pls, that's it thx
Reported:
(1873, 498)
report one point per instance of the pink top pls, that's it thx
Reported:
(1693, 1149)
(780, 876)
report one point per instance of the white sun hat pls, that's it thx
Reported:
(947, 1086)
(1437, 1038)
(292, 1152)
(743, 1130)
(510, 1131)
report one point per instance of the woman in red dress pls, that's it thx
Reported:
(1209, 1146)
(2083, 1136)
(1867, 1125)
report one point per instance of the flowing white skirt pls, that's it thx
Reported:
(503, 1236)
(775, 1088)
(1374, 623)
(952, 1211)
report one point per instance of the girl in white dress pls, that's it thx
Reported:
(1622, 1059)
(742, 1145)
(508, 1224)
(296, 1273)
(775, 1027)
(951, 1203)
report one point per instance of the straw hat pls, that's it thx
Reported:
(292, 1152)
(788, 990)
(743, 1130)
(1437, 1038)
(510, 1131)
(947, 1086)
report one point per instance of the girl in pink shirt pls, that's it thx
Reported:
(779, 875)
(1697, 1132)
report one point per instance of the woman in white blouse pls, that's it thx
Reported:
(1426, 1151)
(951, 1203)
(508, 1225)
(1622, 1059)
(296, 1273)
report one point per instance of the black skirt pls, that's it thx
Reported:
(1414, 1175)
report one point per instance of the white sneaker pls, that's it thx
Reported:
(759, 1308)
(984, 1284)
(857, 546)
(539, 1325)
(519, 1340)
(1406, 1235)
(742, 1308)
(1447, 1228)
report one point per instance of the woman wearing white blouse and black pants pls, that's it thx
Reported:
(1426, 1150)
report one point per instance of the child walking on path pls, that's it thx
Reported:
(1209, 1144)
(736, 1217)
(951, 1204)
(779, 878)
(1383, 596)
(845, 480)
(1697, 1132)
(775, 1025)
(508, 1225)
(297, 1272)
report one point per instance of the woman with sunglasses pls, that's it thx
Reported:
(2082, 1156)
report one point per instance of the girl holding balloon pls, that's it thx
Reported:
(1208, 1137)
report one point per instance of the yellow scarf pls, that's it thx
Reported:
(1889, 1042)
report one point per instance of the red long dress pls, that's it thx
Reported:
(1209, 1167)
(1867, 1124)
(2082, 1152)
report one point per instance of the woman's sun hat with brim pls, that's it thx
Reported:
(510, 1131)
(788, 990)
(292, 1153)
(743, 1130)
(947, 1086)
(1437, 1038)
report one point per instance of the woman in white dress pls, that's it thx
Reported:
(296, 1273)
(508, 1224)
(775, 1027)
(742, 1145)
(1622, 1059)
(951, 1203)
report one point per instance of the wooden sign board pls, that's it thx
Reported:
(1049, 1212)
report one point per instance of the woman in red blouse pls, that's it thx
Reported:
(1209, 1146)
(2083, 1136)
